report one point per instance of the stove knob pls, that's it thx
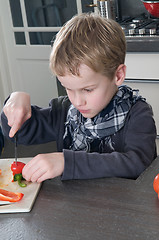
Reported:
(133, 25)
(152, 31)
(123, 28)
(131, 31)
(141, 31)
(136, 20)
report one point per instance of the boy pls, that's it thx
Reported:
(102, 129)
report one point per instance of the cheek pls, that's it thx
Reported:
(70, 96)
(99, 100)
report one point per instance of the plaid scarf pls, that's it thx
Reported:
(82, 131)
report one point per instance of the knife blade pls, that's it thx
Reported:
(15, 148)
(5, 203)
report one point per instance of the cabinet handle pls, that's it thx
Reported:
(130, 80)
(91, 5)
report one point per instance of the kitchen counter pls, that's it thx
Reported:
(108, 208)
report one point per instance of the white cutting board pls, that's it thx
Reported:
(30, 192)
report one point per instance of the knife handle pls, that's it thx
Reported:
(15, 147)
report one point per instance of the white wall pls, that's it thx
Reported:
(5, 83)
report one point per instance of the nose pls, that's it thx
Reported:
(79, 99)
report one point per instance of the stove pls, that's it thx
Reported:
(140, 26)
(142, 33)
(141, 29)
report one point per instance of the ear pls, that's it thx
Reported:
(120, 74)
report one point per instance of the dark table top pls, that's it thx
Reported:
(108, 208)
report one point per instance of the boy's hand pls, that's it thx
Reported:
(44, 166)
(17, 110)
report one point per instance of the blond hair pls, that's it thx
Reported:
(88, 39)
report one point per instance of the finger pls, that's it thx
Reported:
(29, 173)
(29, 169)
(37, 174)
(31, 163)
(43, 177)
(14, 129)
(12, 132)
(15, 126)
(28, 176)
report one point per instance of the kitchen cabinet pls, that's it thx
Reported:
(143, 74)
(149, 90)
(142, 66)
(146, 89)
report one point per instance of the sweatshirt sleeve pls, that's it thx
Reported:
(135, 150)
(44, 125)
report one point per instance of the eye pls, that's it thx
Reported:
(67, 89)
(88, 90)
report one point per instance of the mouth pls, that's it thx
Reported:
(83, 111)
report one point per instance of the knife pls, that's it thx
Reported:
(15, 147)
(5, 203)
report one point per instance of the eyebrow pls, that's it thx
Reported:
(93, 85)
(89, 86)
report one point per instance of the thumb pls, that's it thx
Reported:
(13, 131)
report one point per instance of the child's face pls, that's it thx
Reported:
(90, 92)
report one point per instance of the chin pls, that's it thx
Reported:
(88, 115)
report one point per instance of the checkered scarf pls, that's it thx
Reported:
(110, 120)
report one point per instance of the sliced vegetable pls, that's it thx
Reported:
(17, 167)
(0, 171)
(19, 178)
(17, 173)
(10, 196)
(156, 184)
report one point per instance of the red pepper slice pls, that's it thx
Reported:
(10, 196)
(17, 167)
